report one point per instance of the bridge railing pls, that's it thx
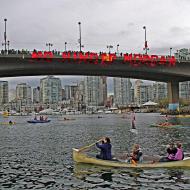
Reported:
(58, 54)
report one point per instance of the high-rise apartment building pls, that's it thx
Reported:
(122, 91)
(70, 91)
(184, 90)
(142, 92)
(95, 90)
(104, 89)
(50, 90)
(159, 91)
(12, 94)
(4, 94)
(23, 93)
(36, 95)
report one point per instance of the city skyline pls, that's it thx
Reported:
(88, 93)
(34, 81)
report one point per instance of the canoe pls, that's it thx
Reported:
(167, 126)
(38, 121)
(80, 157)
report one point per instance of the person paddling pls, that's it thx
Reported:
(105, 149)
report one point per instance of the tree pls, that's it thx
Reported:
(163, 103)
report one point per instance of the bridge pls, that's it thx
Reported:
(136, 66)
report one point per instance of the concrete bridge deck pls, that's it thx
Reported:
(14, 65)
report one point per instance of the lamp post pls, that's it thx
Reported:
(5, 35)
(79, 23)
(170, 52)
(118, 49)
(109, 47)
(8, 43)
(49, 45)
(65, 46)
(145, 41)
(178, 54)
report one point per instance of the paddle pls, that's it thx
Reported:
(88, 146)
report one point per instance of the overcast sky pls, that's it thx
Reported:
(31, 24)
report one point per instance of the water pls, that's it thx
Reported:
(39, 156)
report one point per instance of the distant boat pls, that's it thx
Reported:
(38, 121)
(5, 114)
(108, 112)
(46, 111)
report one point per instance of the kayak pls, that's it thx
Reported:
(7, 123)
(38, 121)
(67, 119)
(183, 116)
(80, 157)
(170, 125)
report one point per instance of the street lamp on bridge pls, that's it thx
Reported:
(118, 49)
(49, 45)
(145, 41)
(170, 52)
(79, 23)
(109, 47)
(8, 43)
(5, 36)
(65, 46)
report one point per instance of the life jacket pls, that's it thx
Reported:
(137, 155)
(171, 156)
(171, 153)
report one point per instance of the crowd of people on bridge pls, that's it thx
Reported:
(54, 52)
(15, 52)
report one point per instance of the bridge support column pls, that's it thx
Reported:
(173, 94)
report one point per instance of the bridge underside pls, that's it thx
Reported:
(13, 67)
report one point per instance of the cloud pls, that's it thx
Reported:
(31, 24)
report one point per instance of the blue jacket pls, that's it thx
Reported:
(105, 153)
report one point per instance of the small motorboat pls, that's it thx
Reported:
(38, 121)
